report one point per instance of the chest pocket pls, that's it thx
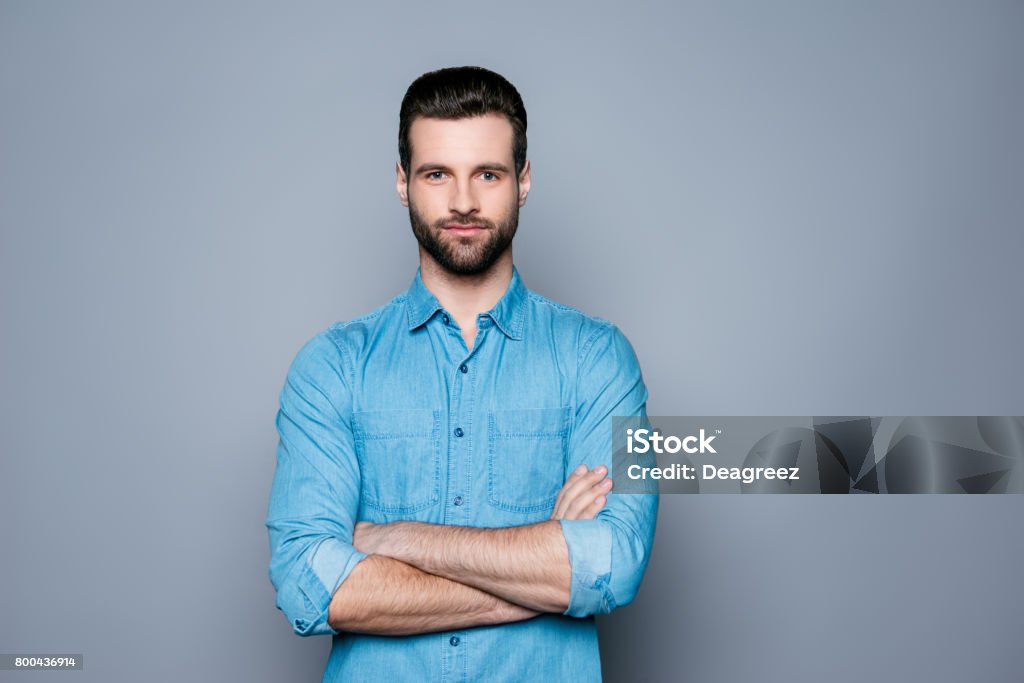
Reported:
(399, 458)
(526, 458)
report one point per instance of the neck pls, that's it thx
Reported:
(467, 296)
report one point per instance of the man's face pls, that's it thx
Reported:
(462, 191)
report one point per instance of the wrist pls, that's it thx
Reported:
(374, 539)
(390, 539)
(509, 611)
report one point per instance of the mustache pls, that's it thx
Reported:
(464, 220)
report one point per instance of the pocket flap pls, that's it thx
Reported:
(534, 423)
(395, 424)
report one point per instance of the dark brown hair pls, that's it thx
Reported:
(457, 93)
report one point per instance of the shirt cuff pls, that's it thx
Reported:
(331, 563)
(590, 559)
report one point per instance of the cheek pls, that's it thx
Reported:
(500, 202)
(431, 203)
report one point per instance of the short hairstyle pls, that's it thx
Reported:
(457, 93)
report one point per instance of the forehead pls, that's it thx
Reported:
(454, 141)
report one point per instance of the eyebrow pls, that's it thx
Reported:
(489, 166)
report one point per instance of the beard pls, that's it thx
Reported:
(470, 255)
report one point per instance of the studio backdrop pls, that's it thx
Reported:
(790, 208)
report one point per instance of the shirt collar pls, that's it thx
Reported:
(420, 304)
(507, 314)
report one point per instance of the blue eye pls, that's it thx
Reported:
(435, 175)
(487, 175)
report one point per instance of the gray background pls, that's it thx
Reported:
(789, 208)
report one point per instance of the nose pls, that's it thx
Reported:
(463, 200)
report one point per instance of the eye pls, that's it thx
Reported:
(435, 175)
(487, 175)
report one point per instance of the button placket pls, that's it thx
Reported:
(460, 410)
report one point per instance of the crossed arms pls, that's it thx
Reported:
(425, 577)
(333, 572)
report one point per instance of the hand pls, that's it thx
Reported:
(584, 493)
(367, 537)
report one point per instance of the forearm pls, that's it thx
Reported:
(384, 596)
(526, 565)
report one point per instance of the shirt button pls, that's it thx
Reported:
(459, 432)
(454, 640)
(464, 368)
(446, 319)
(457, 500)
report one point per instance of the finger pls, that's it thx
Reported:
(586, 499)
(594, 508)
(564, 493)
(591, 511)
(579, 494)
(579, 471)
(576, 487)
(573, 476)
(587, 508)
(573, 487)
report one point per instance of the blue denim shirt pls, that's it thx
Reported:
(390, 417)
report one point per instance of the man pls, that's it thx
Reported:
(441, 503)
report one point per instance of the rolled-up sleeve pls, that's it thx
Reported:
(314, 497)
(608, 554)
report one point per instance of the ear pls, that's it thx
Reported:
(524, 182)
(401, 184)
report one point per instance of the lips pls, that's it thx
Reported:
(463, 229)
